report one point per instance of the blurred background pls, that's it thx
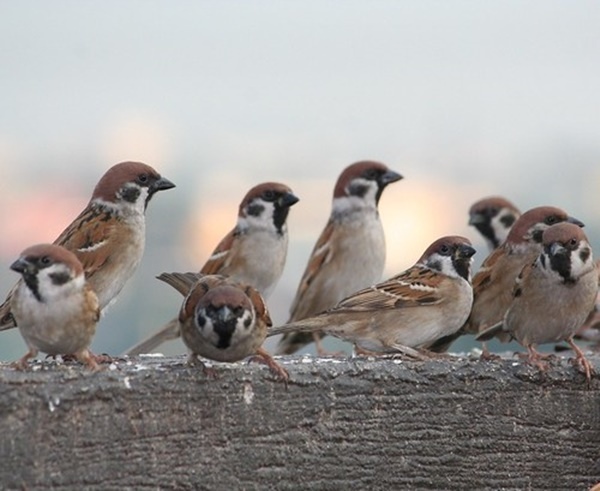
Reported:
(465, 99)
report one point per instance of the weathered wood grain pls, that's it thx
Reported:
(341, 424)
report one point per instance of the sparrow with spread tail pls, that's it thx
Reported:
(493, 217)
(108, 236)
(408, 312)
(222, 320)
(253, 253)
(492, 285)
(54, 307)
(552, 296)
(350, 252)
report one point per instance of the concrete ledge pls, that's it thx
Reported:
(154, 423)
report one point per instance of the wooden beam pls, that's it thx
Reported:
(153, 423)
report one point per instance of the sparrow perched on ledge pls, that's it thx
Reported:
(493, 217)
(108, 236)
(408, 312)
(253, 253)
(54, 307)
(493, 283)
(552, 296)
(350, 252)
(222, 320)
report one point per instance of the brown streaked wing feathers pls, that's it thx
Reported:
(484, 275)
(392, 294)
(259, 304)
(314, 265)
(214, 265)
(97, 231)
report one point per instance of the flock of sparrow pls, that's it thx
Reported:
(538, 285)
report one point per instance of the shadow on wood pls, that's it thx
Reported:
(342, 424)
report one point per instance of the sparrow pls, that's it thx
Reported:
(408, 312)
(492, 285)
(222, 320)
(54, 306)
(552, 296)
(253, 253)
(108, 236)
(350, 252)
(493, 218)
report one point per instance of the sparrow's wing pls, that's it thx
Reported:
(416, 287)
(87, 235)
(321, 255)
(221, 256)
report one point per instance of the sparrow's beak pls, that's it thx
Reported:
(575, 221)
(465, 251)
(388, 177)
(287, 200)
(22, 265)
(477, 219)
(556, 248)
(223, 314)
(161, 184)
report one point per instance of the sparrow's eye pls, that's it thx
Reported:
(45, 260)
(494, 210)
(238, 311)
(143, 178)
(445, 250)
(573, 242)
(268, 195)
(371, 174)
(551, 220)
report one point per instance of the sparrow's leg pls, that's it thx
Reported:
(194, 361)
(88, 359)
(22, 363)
(581, 361)
(536, 358)
(487, 355)
(263, 357)
(318, 338)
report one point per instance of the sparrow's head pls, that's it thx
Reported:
(49, 271)
(451, 256)
(266, 206)
(531, 225)
(493, 217)
(566, 251)
(130, 186)
(224, 315)
(364, 180)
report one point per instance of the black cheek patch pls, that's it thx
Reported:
(247, 322)
(584, 255)
(200, 320)
(358, 190)
(59, 278)
(130, 194)
(255, 210)
(507, 220)
(536, 235)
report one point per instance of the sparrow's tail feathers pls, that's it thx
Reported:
(182, 282)
(166, 333)
(490, 332)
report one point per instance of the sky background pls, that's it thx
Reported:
(465, 99)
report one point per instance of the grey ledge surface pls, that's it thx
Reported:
(357, 423)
